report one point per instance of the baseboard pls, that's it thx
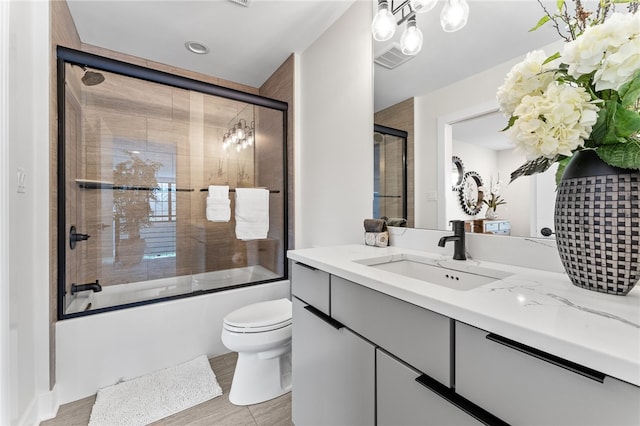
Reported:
(43, 407)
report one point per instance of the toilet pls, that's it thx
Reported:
(261, 334)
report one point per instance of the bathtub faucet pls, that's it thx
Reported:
(96, 287)
(457, 238)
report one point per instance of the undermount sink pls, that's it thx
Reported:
(458, 275)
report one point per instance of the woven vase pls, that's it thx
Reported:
(597, 221)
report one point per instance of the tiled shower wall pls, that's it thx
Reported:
(181, 132)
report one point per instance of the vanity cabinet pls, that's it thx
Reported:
(333, 371)
(311, 285)
(525, 386)
(402, 401)
(416, 335)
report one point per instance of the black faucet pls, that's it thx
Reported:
(457, 238)
(96, 287)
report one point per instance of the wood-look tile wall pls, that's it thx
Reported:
(400, 116)
(280, 86)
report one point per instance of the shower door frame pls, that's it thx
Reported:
(404, 135)
(76, 57)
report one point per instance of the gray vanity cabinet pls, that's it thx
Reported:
(311, 285)
(403, 401)
(525, 386)
(333, 368)
(419, 337)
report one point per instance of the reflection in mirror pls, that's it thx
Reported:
(471, 193)
(475, 136)
(390, 175)
(457, 173)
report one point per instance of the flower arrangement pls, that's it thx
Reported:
(495, 199)
(586, 98)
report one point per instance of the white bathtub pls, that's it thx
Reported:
(120, 294)
(94, 351)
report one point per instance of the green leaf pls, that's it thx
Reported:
(624, 155)
(559, 4)
(551, 58)
(626, 122)
(540, 23)
(562, 164)
(532, 167)
(630, 91)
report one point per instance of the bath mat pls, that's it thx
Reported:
(151, 397)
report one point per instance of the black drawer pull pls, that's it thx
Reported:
(462, 403)
(306, 266)
(324, 317)
(552, 359)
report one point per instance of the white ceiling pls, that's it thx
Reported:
(247, 44)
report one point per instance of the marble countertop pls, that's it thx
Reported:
(537, 308)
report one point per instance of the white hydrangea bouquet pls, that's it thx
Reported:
(586, 98)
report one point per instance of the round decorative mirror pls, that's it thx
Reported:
(457, 173)
(471, 193)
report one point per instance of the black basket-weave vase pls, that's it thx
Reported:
(597, 221)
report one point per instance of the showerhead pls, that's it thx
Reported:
(91, 78)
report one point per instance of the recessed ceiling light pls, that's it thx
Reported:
(195, 47)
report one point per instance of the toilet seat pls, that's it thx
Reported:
(259, 317)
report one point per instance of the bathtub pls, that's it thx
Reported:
(122, 294)
(95, 351)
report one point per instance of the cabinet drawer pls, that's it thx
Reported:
(524, 386)
(416, 335)
(401, 400)
(333, 372)
(311, 285)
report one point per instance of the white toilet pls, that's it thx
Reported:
(261, 334)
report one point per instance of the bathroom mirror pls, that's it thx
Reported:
(457, 173)
(449, 89)
(471, 193)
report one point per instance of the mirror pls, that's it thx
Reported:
(474, 135)
(450, 76)
(390, 175)
(471, 193)
(457, 173)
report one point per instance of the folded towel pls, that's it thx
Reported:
(375, 225)
(252, 213)
(218, 204)
(219, 191)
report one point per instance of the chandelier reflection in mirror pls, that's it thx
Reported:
(392, 13)
(240, 136)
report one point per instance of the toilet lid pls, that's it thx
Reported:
(259, 317)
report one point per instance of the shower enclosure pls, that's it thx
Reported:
(390, 175)
(137, 152)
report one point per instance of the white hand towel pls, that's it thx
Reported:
(252, 213)
(218, 204)
(219, 191)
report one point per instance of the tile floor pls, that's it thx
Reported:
(218, 411)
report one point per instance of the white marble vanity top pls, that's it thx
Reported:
(537, 308)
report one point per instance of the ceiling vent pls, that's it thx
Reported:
(392, 57)
(245, 3)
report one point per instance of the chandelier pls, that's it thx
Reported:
(240, 136)
(452, 18)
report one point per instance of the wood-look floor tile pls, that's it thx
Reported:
(215, 412)
(75, 413)
(276, 412)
